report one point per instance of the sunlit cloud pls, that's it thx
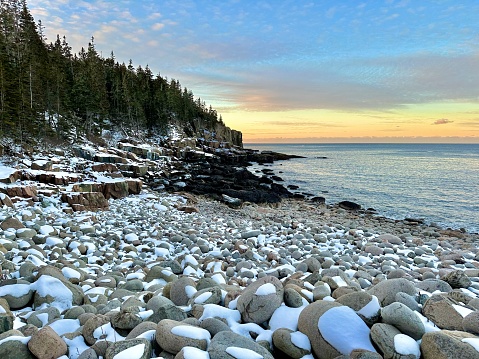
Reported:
(442, 121)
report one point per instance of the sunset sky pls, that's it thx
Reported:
(300, 71)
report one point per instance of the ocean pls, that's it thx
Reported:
(435, 182)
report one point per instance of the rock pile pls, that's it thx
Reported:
(144, 280)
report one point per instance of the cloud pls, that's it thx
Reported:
(442, 121)
(157, 26)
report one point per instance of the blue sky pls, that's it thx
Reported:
(316, 64)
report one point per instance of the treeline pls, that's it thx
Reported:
(46, 90)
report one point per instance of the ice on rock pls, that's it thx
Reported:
(345, 330)
(405, 345)
(243, 353)
(266, 289)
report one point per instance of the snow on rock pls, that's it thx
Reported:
(463, 311)
(405, 345)
(63, 326)
(300, 340)
(194, 353)
(371, 309)
(285, 317)
(131, 237)
(134, 352)
(15, 290)
(345, 330)
(215, 310)
(266, 289)
(243, 353)
(189, 331)
(70, 273)
(472, 341)
(203, 297)
(49, 286)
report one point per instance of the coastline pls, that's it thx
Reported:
(399, 181)
(167, 265)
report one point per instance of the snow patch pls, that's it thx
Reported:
(405, 345)
(243, 353)
(345, 330)
(266, 289)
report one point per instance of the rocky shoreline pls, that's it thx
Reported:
(197, 274)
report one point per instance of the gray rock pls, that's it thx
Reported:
(201, 296)
(92, 324)
(282, 341)
(45, 344)
(308, 324)
(457, 279)
(37, 317)
(386, 290)
(127, 318)
(383, 336)
(164, 308)
(390, 238)
(140, 343)
(470, 323)
(17, 294)
(172, 336)
(258, 308)
(292, 298)
(6, 322)
(249, 234)
(404, 319)
(141, 328)
(178, 291)
(14, 349)
(432, 285)
(446, 344)
(90, 353)
(408, 300)
(357, 301)
(214, 326)
(439, 309)
(224, 340)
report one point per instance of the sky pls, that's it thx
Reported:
(300, 71)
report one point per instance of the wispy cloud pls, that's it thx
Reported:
(442, 121)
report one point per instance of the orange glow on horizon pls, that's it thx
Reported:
(449, 122)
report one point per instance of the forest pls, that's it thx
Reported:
(47, 91)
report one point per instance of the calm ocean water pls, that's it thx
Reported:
(436, 182)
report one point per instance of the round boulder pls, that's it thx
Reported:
(260, 299)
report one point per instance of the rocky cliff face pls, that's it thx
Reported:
(217, 131)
